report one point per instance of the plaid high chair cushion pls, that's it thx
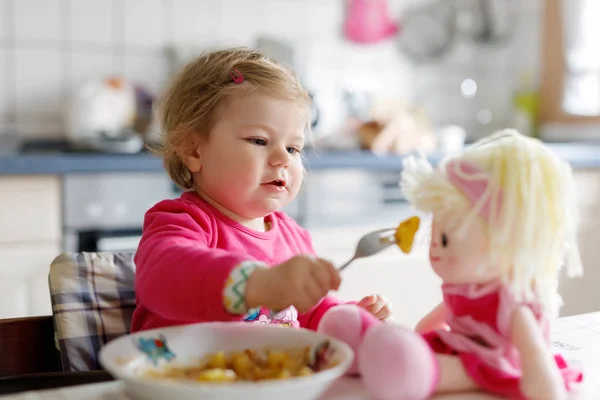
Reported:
(93, 300)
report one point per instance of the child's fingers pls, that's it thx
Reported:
(377, 307)
(381, 308)
(321, 276)
(384, 313)
(334, 274)
(308, 297)
(369, 302)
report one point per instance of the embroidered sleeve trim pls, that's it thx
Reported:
(234, 298)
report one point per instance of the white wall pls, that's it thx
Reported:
(47, 47)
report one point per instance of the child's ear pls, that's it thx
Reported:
(192, 160)
(191, 155)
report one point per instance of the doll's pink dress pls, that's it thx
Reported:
(479, 318)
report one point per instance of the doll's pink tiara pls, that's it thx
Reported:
(474, 185)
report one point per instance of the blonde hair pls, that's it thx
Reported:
(534, 229)
(188, 106)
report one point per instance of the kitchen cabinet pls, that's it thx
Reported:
(24, 284)
(30, 237)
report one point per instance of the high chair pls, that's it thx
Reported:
(93, 299)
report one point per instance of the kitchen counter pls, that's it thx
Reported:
(43, 160)
(64, 163)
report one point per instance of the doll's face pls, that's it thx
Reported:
(460, 258)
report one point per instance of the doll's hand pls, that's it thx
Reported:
(541, 381)
(378, 306)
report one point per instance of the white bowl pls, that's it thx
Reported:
(122, 359)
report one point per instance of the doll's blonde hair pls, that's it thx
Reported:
(188, 107)
(534, 232)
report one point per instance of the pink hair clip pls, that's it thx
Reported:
(236, 76)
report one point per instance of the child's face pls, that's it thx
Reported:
(251, 162)
(460, 258)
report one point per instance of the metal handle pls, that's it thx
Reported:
(347, 263)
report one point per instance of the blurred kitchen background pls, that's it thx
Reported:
(462, 61)
(388, 78)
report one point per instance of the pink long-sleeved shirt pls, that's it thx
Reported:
(189, 251)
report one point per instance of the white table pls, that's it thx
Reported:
(576, 337)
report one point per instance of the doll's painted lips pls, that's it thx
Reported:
(434, 259)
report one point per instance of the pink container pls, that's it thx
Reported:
(368, 21)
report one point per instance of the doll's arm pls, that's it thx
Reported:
(541, 378)
(434, 320)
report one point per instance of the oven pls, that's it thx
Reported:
(105, 212)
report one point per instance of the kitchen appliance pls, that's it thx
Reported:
(430, 30)
(101, 116)
(105, 212)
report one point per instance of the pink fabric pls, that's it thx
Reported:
(187, 251)
(435, 373)
(263, 316)
(473, 189)
(478, 317)
(311, 319)
(397, 364)
(348, 323)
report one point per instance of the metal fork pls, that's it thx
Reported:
(371, 244)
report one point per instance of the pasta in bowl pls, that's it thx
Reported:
(226, 361)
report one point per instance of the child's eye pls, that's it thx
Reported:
(257, 141)
(293, 150)
(444, 240)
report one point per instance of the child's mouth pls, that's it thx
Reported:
(277, 183)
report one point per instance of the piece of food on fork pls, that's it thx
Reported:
(405, 233)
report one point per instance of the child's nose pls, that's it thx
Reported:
(279, 157)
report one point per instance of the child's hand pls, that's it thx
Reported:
(378, 306)
(301, 282)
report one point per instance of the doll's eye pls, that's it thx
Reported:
(444, 240)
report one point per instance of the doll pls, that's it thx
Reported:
(504, 222)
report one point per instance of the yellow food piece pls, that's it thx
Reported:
(245, 365)
(217, 361)
(405, 233)
(283, 374)
(277, 358)
(242, 364)
(216, 375)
